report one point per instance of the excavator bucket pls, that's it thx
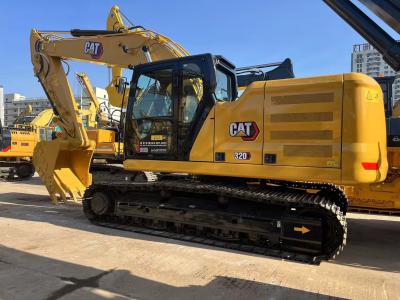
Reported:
(65, 172)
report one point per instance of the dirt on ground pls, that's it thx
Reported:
(53, 252)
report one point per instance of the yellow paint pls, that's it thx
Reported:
(22, 144)
(121, 50)
(384, 195)
(249, 107)
(313, 141)
(157, 137)
(234, 170)
(360, 141)
(203, 147)
(105, 144)
(301, 229)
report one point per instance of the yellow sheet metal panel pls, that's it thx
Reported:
(364, 157)
(105, 142)
(101, 135)
(303, 121)
(300, 121)
(203, 147)
(238, 125)
(234, 170)
(22, 143)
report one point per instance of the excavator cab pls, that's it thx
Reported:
(169, 102)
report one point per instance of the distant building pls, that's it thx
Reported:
(1, 106)
(15, 103)
(101, 94)
(365, 59)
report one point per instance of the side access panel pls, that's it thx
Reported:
(238, 126)
(303, 118)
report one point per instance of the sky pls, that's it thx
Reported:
(246, 32)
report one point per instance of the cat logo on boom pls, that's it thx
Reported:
(95, 49)
(248, 131)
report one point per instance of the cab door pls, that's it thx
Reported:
(194, 105)
(151, 127)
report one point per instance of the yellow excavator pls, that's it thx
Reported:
(18, 141)
(26, 112)
(258, 173)
(15, 156)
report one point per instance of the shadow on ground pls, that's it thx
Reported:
(21, 272)
(371, 244)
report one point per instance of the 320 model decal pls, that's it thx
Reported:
(242, 155)
(248, 131)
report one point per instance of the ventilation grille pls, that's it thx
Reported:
(302, 135)
(302, 117)
(303, 98)
(304, 125)
(308, 150)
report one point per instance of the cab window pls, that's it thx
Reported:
(223, 90)
(153, 95)
(192, 92)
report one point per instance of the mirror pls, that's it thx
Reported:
(121, 85)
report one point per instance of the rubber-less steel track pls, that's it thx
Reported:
(329, 203)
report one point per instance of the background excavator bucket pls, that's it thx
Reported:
(65, 172)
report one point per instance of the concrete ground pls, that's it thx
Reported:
(53, 252)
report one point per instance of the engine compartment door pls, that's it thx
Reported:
(303, 122)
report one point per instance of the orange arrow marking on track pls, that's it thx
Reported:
(302, 229)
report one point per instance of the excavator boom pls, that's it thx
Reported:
(115, 23)
(63, 164)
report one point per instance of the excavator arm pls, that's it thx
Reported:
(115, 23)
(26, 112)
(63, 164)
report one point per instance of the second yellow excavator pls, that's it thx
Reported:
(17, 143)
(101, 128)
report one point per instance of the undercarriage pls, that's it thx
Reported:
(295, 221)
(20, 169)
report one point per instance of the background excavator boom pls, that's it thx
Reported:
(26, 112)
(94, 114)
(387, 10)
